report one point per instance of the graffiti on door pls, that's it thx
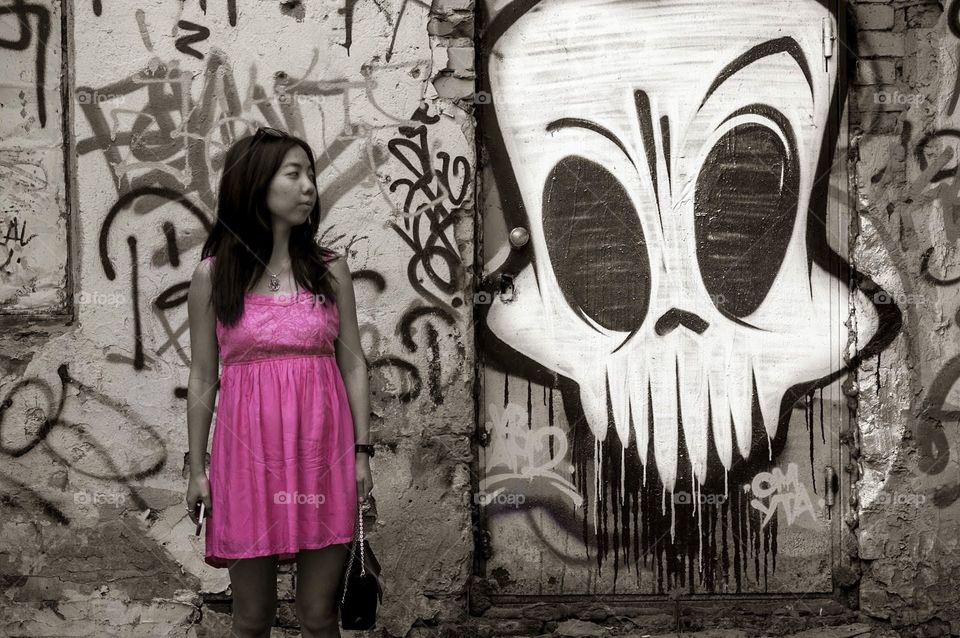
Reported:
(679, 282)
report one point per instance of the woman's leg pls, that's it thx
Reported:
(254, 585)
(318, 576)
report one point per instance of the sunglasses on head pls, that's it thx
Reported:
(266, 130)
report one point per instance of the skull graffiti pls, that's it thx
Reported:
(665, 156)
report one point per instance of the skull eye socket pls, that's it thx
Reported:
(596, 244)
(745, 208)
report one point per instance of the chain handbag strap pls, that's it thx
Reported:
(363, 562)
(363, 572)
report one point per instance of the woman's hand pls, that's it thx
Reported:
(364, 478)
(198, 489)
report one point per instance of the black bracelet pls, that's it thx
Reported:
(365, 447)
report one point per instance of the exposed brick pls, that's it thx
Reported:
(287, 614)
(450, 6)
(285, 588)
(454, 88)
(440, 28)
(900, 20)
(923, 16)
(451, 26)
(843, 631)
(874, 44)
(460, 59)
(880, 123)
(876, 71)
(874, 17)
(881, 97)
(506, 627)
(575, 627)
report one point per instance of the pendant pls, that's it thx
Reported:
(274, 283)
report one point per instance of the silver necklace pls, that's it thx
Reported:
(274, 280)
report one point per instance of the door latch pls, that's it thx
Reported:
(831, 487)
(483, 436)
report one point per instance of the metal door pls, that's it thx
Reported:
(664, 297)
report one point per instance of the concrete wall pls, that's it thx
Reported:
(905, 121)
(95, 264)
(114, 119)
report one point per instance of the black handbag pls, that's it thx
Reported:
(361, 589)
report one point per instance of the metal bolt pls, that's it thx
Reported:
(519, 237)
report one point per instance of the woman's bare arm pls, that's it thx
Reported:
(350, 358)
(204, 365)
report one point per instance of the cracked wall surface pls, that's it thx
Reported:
(115, 120)
(907, 501)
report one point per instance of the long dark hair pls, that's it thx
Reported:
(242, 237)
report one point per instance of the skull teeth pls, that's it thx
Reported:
(686, 399)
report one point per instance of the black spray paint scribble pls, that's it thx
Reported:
(25, 14)
(185, 43)
(180, 143)
(231, 9)
(41, 403)
(348, 11)
(428, 223)
(396, 375)
(939, 180)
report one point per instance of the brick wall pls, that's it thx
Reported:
(906, 457)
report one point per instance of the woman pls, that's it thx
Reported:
(290, 454)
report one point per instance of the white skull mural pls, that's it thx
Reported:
(668, 158)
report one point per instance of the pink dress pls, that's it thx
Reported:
(282, 465)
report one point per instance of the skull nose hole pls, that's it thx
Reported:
(674, 317)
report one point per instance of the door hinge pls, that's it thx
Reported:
(829, 41)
